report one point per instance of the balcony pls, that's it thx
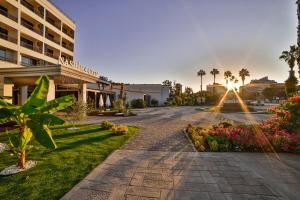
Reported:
(51, 55)
(68, 45)
(68, 31)
(37, 9)
(53, 39)
(8, 38)
(53, 36)
(8, 59)
(31, 47)
(53, 20)
(8, 55)
(5, 12)
(30, 26)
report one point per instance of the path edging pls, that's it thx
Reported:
(189, 139)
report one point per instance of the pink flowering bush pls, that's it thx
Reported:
(278, 134)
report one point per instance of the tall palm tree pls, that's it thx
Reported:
(201, 73)
(298, 33)
(214, 72)
(232, 78)
(227, 75)
(243, 73)
(290, 56)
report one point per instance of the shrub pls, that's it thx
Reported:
(138, 103)
(213, 145)
(107, 125)
(119, 105)
(154, 102)
(119, 129)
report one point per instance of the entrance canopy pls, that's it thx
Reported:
(61, 74)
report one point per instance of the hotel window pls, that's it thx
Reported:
(3, 11)
(28, 61)
(3, 33)
(26, 43)
(27, 24)
(2, 54)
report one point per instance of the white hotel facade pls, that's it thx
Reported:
(36, 38)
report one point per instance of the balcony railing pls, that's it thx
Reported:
(6, 14)
(53, 40)
(51, 55)
(38, 31)
(8, 38)
(8, 59)
(48, 19)
(67, 33)
(31, 47)
(31, 7)
(67, 47)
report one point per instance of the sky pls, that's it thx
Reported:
(149, 41)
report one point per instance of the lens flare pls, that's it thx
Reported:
(260, 136)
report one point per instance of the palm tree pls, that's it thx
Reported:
(290, 56)
(243, 73)
(227, 75)
(232, 78)
(214, 72)
(201, 73)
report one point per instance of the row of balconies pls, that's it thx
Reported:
(11, 12)
(10, 34)
(11, 56)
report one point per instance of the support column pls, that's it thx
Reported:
(82, 92)
(51, 91)
(24, 94)
(6, 90)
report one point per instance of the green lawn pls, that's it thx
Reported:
(58, 171)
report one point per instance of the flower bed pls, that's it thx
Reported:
(278, 134)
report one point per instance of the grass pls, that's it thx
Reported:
(57, 171)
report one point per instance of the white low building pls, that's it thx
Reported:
(146, 92)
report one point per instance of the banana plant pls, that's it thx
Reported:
(34, 118)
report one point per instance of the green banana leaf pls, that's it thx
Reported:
(42, 134)
(57, 104)
(38, 97)
(47, 119)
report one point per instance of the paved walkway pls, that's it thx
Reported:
(159, 163)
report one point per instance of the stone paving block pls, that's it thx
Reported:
(167, 194)
(231, 174)
(92, 185)
(200, 187)
(235, 180)
(225, 188)
(207, 177)
(232, 196)
(217, 196)
(126, 173)
(111, 180)
(143, 191)
(184, 173)
(158, 184)
(149, 170)
(189, 195)
(86, 194)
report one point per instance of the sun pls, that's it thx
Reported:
(231, 86)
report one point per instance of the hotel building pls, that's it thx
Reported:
(37, 38)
